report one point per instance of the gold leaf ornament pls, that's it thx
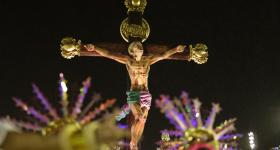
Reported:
(199, 53)
(70, 47)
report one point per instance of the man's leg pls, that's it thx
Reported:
(139, 104)
(142, 121)
(138, 124)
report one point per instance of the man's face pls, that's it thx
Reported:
(137, 52)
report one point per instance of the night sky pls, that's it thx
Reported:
(242, 72)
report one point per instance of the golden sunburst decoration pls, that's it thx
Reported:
(191, 132)
(52, 122)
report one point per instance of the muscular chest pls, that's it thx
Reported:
(138, 66)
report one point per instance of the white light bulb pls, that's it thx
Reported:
(251, 140)
(63, 86)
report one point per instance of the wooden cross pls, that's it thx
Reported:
(71, 47)
(135, 29)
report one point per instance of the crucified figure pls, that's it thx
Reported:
(138, 67)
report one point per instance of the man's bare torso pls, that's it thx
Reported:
(138, 72)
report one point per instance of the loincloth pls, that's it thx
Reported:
(143, 98)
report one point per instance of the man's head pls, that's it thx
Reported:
(135, 49)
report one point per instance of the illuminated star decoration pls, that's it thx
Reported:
(48, 120)
(191, 132)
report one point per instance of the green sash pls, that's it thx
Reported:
(132, 96)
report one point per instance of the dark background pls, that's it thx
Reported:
(242, 72)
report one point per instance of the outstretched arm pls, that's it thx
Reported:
(108, 54)
(71, 47)
(157, 57)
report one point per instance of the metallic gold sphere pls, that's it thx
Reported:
(136, 2)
